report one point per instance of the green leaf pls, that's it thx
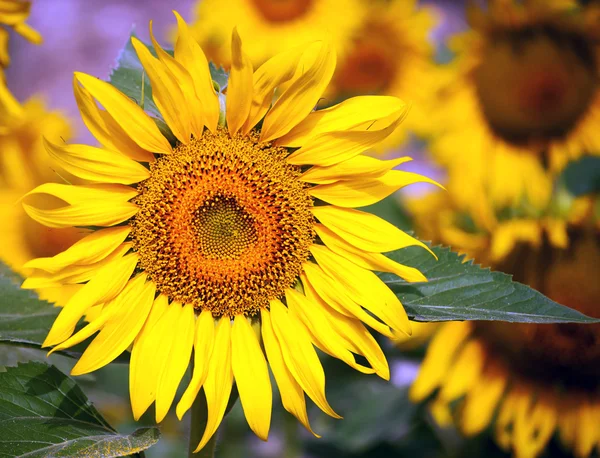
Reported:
(583, 176)
(44, 413)
(25, 319)
(459, 290)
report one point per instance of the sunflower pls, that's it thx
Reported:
(13, 14)
(527, 381)
(520, 100)
(391, 53)
(24, 165)
(229, 237)
(269, 27)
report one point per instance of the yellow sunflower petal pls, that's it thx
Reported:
(87, 331)
(219, 380)
(83, 194)
(318, 326)
(100, 214)
(203, 347)
(107, 283)
(90, 249)
(334, 294)
(368, 260)
(126, 113)
(166, 93)
(29, 33)
(239, 88)
(97, 164)
(134, 305)
(277, 70)
(73, 273)
(300, 98)
(351, 331)
(363, 230)
(191, 56)
(356, 113)
(300, 356)
(330, 148)
(292, 395)
(440, 354)
(13, 12)
(359, 166)
(177, 339)
(105, 129)
(364, 287)
(362, 191)
(192, 111)
(144, 368)
(251, 376)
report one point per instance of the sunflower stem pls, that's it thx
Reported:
(198, 421)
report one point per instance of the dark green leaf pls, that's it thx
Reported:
(459, 290)
(583, 176)
(391, 210)
(25, 319)
(44, 413)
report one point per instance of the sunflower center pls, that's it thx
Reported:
(566, 352)
(535, 84)
(224, 229)
(224, 224)
(282, 10)
(371, 64)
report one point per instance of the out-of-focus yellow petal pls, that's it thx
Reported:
(118, 333)
(356, 113)
(481, 401)
(203, 347)
(126, 113)
(440, 355)
(107, 283)
(465, 371)
(90, 249)
(300, 356)
(251, 376)
(177, 339)
(239, 88)
(191, 56)
(292, 395)
(364, 287)
(219, 380)
(97, 164)
(300, 98)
